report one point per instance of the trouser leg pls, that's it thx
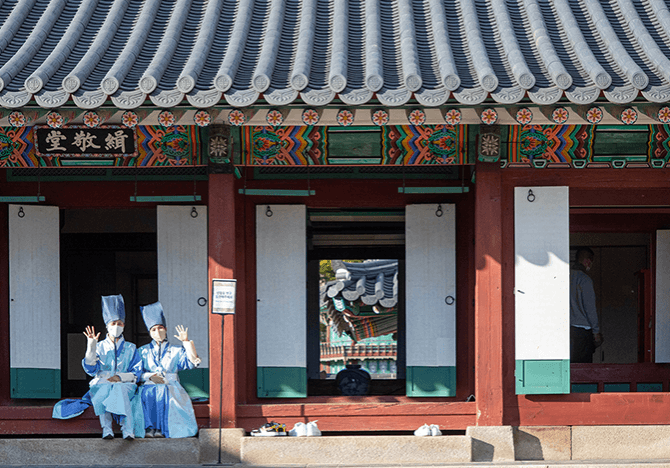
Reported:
(106, 424)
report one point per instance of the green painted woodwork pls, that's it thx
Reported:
(585, 388)
(616, 387)
(21, 199)
(353, 172)
(281, 382)
(88, 162)
(650, 387)
(195, 382)
(433, 189)
(34, 383)
(626, 143)
(278, 192)
(166, 198)
(351, 146)
(430, 381)
(542, 377)
(106, 174)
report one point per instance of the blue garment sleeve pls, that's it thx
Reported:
(136, 365)
(184, 363)
(91, 370)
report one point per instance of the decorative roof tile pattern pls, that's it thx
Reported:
(393, 52)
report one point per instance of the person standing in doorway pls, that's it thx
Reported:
(585, 334)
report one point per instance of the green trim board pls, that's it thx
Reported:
(281, 382)
(424, 381)
(22, 199)
(277, 192)
(35, 383)
(433, 189)
(542, 376)
(166, 198)
(195, 382)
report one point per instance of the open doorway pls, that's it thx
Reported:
(103, 252)
(620, 266)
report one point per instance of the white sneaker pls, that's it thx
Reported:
(299, 430)
(435, 430)
(312, 429)
(423, 431)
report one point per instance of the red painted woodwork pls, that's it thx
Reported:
(488, 310)
(353, 414)
(221, 239)
(601, 200)
(17, 420)
(5, 389)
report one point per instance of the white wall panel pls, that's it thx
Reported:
(662, 296)
(281, 285)
(430, 256)
(542, 273)
(34, 287)
(182, 273)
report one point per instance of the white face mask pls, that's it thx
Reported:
(159, 334)
(115, 331)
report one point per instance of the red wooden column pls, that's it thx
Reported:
(221, 241)
(488, 295)
(4, 306)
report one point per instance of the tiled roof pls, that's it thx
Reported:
(372, 282)
(316, 52)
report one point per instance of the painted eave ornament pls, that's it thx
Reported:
(202, 118)
(559, 115)
(629, 116)
(453, 117)
(91, 119)
(17, 119)
(236, 118)
(489, 116)
(664, 115)
(113, 308)
(310, 117)
(130, 119)
(274, 118)
(345, 118)
(417, 117)
(153, 315)
(524, 116)
(594, 115)
(380, 117)
(166, 118)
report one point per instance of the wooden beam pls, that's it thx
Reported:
(221, 240)
(488, 296)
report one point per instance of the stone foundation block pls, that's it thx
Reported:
(620, 442)
(356, 450)
(543, 443)
(491, 443)
(231, 441)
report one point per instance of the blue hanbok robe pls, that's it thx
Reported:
(167, 407)
(115, 397)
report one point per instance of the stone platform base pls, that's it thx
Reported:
(503, 444)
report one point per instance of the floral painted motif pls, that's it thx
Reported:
(17, 119)
(236, 118)
(345, 117)
(310, 117)
(594, 115)
(55, 120)
(166, 119)
(417, 117)
(489, 116)
(560, 115)
(274, 118)
(453, 117)
(664, 115)
(91, 119)
(202, 118)
(629, 116)
(380, 117)
(524, 116)
(130, 119)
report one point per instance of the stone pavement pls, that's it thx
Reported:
(518, 464)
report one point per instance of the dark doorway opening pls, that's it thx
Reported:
(95, 264)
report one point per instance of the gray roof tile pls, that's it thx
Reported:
(212, 52)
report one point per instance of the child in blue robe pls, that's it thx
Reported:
(168, 411)
(115, 366)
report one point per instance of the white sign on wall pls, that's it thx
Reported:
(223, 296)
